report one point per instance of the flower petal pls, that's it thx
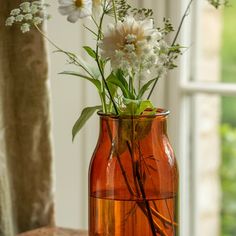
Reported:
(73, 17)
(66, 2)
(66, 10)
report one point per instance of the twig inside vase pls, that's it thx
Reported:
(139, 180)
(155, 209)
(133, 194)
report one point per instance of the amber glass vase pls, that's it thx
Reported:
(133, 178)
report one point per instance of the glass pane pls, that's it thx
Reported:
(216, 57)
(214, 165)
(228, 167)
(228, 50)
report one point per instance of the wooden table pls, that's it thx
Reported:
(55, 232)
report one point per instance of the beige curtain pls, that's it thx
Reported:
(26, 198)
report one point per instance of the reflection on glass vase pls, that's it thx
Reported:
(133, 178)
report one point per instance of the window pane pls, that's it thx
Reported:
(214, 165)
(217, 56)
(228, 166)
(228, 50)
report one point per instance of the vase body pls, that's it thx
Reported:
(133, 178)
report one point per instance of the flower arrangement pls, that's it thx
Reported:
(128, 52)
(133, 170)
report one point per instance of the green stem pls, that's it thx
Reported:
(100, 67)
(114, 9)
(181, 22)
(175, 38)
(61, 50)
(153, 87)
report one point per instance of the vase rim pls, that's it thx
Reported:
(160, 112)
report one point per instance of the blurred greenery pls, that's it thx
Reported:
(228, 55)
(228, 129)
(228, 178)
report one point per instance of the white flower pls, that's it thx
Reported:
(130, 44)
(28, 16)
(37, 20)
(19, 18)
(34, 9)
(10, 20)
(15, 12)
(25, 28)
(75, 9)
(25, 7)
(36, 3)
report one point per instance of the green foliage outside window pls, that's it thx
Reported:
(228, 132)
(228, 179)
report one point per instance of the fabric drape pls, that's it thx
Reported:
(26, 196)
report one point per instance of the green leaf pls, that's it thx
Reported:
(143, 106)
(85, 115)
(90, 51)
(121, 83)
(96, 82)
(137, 107)
(94, 71)
(131, 106)
(145, 87)
(90, 69)
(112, 87)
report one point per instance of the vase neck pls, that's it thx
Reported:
(132, 128)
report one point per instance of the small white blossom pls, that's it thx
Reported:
(129, 48)
(161, 71)
(119, 54)
(34, 9)
(15, 12)
(25, 4)
(131, 38)
(10, 20)
(163, 58)
(25, 7)
(28, 16)
(25, 27)
(36, 3)
(37, 20)
(75, 9)
(164, 47)
(19, 18)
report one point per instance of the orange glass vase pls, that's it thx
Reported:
(133, 178)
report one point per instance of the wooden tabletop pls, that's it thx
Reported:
(54, 232)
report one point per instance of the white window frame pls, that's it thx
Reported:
(180, 88)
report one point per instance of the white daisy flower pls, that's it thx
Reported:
(75, 9)
(130, 44)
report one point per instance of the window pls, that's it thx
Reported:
(195, 97)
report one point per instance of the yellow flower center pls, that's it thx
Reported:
(78, 3)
